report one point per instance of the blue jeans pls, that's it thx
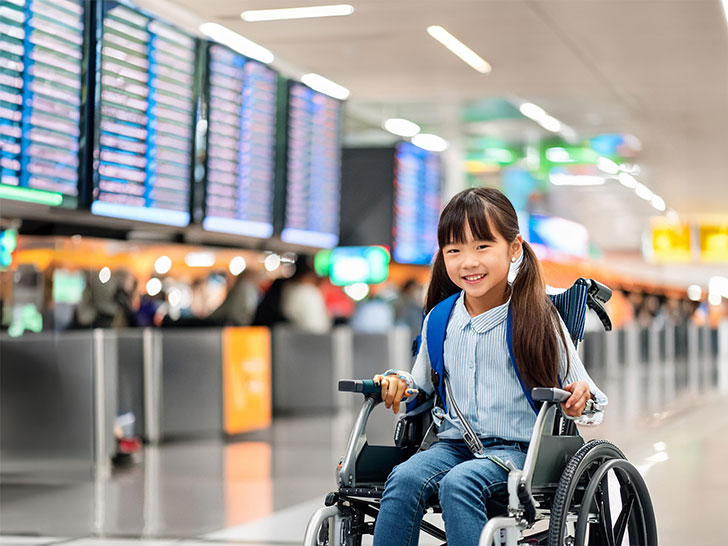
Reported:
(462, 481)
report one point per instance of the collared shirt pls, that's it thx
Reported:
(482, 378)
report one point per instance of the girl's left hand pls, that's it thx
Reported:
(576, 403)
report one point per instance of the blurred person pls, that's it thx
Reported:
(239, 306)
(373, 315)
(409, 306)
(296, 300)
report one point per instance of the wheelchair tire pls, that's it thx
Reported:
(350, 540)
(581, 505)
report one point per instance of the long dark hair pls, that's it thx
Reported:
(536, 325)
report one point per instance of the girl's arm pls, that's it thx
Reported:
(580, 384)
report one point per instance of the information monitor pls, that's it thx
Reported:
(41, 50)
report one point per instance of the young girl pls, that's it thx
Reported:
(478, 241)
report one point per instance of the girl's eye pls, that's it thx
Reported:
(452, 251)
(480, 247)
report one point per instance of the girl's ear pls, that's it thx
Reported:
(516, 248)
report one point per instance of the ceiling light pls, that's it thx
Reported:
(162, 265)
(326, 86)
(237, 265)
(628, 180)
(237, 42)
(550, 123)
(532, 111)
(658, 202)
(401, 127)
(694, 292)
(643, 192)
(255, 15)
(200, 259)
(561, 179)
(460, 49)
(607, 165)
(557, 155)
(430, 142)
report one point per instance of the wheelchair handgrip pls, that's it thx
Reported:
(600, 291)
(541, 394)
(365, 386)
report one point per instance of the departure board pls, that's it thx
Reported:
(416, 204)
(240, 144)
(41, 47)
(147, 109)
(313, 185)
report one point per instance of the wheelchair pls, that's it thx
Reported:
(569, 493)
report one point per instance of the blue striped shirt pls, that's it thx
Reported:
(482, 377)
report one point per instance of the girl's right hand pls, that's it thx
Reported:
(393, 390)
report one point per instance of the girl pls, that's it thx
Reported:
(478, 241)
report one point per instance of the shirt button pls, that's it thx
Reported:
(471, 364)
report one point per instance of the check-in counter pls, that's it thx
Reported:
(58, 400)
(307, 367)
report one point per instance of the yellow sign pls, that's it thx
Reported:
(671, 241)
(714, 242)
(246, 379)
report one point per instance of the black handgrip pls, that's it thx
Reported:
(542, 394)
(365, 386)
(599, 291)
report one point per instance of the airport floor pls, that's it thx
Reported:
(262, 488)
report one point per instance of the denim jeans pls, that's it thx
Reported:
(462, 482)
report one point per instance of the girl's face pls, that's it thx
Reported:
(480, 268)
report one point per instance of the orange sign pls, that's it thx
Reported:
(671, 241)
(246, 379)
(714, 242)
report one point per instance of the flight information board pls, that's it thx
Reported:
(416, 204)
(146, 118)
(313, 185)
(41, 47)
(240, 144)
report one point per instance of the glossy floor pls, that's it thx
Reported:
(262, 489)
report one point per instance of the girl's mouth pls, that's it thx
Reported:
(473, 278)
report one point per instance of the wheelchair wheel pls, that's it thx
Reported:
(585, 498)
(348, 539)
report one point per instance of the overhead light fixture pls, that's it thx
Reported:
(460, 49)
(725, 10)
(627, 180)
(658, 202)
(607, 165)
(539, 115)
(200, 259)
(532, 111)
(326, 86)
(643, 192)
(430, 142)
(255, 15)
(401, 127)
(550, 123)
(558, 155)
(237, 42)
(562, 179)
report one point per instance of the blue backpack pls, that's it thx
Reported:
(571, 305)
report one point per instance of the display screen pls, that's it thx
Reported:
(313, 185)
(41, 48)
(416, 204)
(145, 118)
(240, 145)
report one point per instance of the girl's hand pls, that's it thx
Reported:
(576, 403)
(393, 389)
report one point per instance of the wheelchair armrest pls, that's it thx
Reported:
(540, 394)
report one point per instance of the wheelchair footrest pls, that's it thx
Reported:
(366, 491)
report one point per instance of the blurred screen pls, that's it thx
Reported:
(146, 119)
(41, 48)
(416, 204)
(241, 145)
(313, 185)
(559, 238)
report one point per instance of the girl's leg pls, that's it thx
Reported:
(408, 488)
(465, 488)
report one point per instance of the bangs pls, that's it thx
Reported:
(468, 208)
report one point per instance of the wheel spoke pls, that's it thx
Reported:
(606, 513)
(621, 525)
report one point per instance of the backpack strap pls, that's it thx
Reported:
(436, 331)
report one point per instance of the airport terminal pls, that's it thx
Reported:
(389, 272)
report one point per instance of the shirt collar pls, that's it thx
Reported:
(479, 323)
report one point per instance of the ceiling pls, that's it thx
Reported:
(657, 69)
